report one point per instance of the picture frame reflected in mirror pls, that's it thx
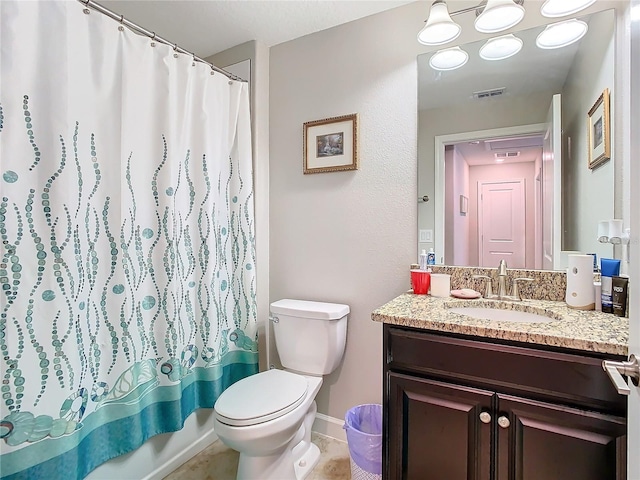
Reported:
(599, 129)
(464, 205)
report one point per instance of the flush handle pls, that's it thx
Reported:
(615, 370)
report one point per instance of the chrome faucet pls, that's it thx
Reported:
(502, 275)
(502, 285)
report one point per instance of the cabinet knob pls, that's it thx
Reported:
(503, 422)
(485, 417)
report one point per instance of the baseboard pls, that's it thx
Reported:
(330, 426)
(183, 456)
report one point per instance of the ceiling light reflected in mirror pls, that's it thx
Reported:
(494, 16)
(561, 34)
(499, 48)
(448, 59)
(561, 8)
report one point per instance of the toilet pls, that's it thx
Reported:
(268, 417)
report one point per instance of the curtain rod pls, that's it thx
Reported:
(152, 35)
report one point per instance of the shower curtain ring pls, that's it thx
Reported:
(175, 50)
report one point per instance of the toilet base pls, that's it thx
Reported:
(307, 463)
(297, 460)
(279, 466)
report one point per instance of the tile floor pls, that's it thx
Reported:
(218, 462)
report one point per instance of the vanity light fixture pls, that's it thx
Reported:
(439, 28)
(561, 34)
(498, 15)
(499, 48)
(448, 59)
(491, 16)
(560, 8)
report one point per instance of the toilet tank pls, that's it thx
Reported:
(310, 336)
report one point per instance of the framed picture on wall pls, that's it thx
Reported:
(599, 131)
(331, 145)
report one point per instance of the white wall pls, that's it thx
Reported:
(450, 158)
(456, 224)
(585, 202)
(632, 145)
(347, 237)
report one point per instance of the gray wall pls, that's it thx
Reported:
(347, 237)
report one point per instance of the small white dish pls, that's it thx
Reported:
(466, 293)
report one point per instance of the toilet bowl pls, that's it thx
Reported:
(268, 417)
(272, 444)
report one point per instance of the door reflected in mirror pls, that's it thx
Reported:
(511, 137)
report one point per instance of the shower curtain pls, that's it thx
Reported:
(127, 269)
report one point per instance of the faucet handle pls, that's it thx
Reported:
(515, 293)
(488, 293)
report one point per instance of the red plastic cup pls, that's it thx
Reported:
(420, 281)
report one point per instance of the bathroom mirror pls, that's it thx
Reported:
(487, 152)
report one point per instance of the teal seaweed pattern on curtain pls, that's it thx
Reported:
(127, 269)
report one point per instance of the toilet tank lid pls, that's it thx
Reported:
(309, 309)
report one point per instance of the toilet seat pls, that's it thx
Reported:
(261, 397)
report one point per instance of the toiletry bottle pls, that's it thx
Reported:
(619, 293)
(422, 260)
(431, 257)
(609, 268)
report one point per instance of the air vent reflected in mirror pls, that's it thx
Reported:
(494, 92)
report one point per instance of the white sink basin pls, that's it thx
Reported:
(501, 315)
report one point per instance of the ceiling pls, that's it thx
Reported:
(520, 149)
(206, 27)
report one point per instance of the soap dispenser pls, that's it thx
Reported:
(431, 257)
(422, 260)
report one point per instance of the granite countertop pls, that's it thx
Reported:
(589, 331)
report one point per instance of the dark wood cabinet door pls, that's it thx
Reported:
(434, 431)
(551, 442)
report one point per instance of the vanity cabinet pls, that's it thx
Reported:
(460, 408)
